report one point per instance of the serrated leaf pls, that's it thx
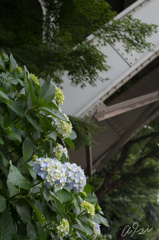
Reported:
(63, 195)
(2, 203)
(27, 149)
(6, 226)
(100, 219)
(70, 143)
(12, 64)
(17, 179)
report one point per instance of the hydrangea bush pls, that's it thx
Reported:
(42, 195)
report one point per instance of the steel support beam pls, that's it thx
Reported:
(126, 106)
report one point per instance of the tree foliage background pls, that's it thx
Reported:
(47, 42)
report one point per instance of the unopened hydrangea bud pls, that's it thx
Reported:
(59, 150)
(59, 97)
(4, 56)
(83, 194)
(63, 228)
(98, 208)
(88, 207)
(96, 229)
(34, 78)
(19, 69)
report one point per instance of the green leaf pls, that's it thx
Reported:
(17, 179)
(6, 121)
(52, 135)
(92, 198)
(63, 195)
(1, 140)
(47, 91)
(23, 212)
(12, 64)
(6, 226)
(31, 231)
(2, 203)
(54, 112)
(27, 149)
(35, 124)
(2, 65)
(85, 227)
(3, 95)
(100, 219)
(70, 143)
(32, 91)
(78, 227)
(15, 107)
(46, 193)
(37, 212)
(14, 135)
(73, 135)
(88, 188)
(61, 207)
(76, 205)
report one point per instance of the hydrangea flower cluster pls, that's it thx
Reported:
(52, 171)
(59, 150)
(96, 229)
(34, 78)
(88, 207)
(63, 228)
(59, 175)
(59, 97)
(76, 178)
(62, 127)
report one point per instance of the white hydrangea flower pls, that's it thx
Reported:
(63, 228)
(62, 127)
(59, 150)
(76, 179)
(52, 171)
(96, 229)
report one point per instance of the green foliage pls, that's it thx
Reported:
(136, 199)
(47, 43)
(85, 129)
(28, 209)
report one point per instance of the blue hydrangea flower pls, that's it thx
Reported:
(76, 179)
(52, 171)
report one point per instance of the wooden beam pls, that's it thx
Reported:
(126, 106)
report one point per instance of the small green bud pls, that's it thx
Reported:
(83, 194)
